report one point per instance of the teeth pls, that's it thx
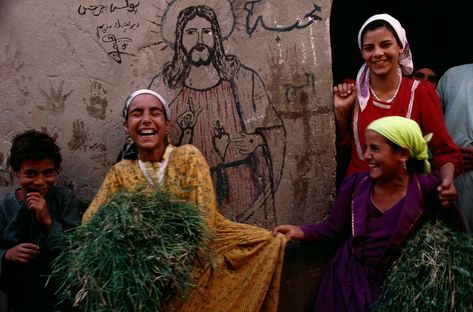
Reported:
(147, 132)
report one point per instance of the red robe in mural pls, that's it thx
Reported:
(212, 119)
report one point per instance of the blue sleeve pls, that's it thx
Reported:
(15, 224)
(65, 217)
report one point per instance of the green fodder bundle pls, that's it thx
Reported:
(137, 251)
(433, 273)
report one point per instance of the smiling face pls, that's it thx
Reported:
(147, 125)
(383, 160)
(198, 41)
(381, 51)
(37, 175)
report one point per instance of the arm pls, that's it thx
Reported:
(334, 226)
(344, 96)
(65, 215)
(247, 143)
(430, 188)
(290, 231)
(188, 178)
(37, 203)
(21, 253)
(446, 189)
(447, 157)
(50, 216)
(12, 227)
(264, 128)
(443, 148)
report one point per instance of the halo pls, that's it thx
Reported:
(222, 8)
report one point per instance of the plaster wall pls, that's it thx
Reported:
(66, 68)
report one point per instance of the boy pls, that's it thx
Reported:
(33, 219)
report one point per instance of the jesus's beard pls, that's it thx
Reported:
(200, 55)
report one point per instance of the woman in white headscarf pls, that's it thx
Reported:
(382, 89)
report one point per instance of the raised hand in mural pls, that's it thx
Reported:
(187, 121)
(247, 143)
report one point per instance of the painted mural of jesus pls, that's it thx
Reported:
(221, 106)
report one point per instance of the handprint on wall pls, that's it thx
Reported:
(97, 106)
(79, 135)
(55, 99)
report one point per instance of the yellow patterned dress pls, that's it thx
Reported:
(248, 259)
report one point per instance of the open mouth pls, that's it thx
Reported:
(147, 132)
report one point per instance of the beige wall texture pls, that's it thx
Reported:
(248, 82)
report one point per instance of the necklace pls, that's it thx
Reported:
(159, 173)
(391, 99)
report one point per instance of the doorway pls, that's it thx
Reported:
(439, 32)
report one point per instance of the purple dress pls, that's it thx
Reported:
(353, 278)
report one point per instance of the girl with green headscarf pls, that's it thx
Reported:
(373, 215)
(405, 133)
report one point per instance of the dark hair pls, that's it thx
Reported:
(413, 165)
(129, 151)
(431, 78)
(33, 145)
(378, 24)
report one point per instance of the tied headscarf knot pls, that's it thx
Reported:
(407, 134)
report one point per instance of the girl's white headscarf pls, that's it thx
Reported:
(144, 91)
(405, 60)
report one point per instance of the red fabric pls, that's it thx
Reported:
(426, 111)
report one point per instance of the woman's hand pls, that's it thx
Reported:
(290, 231)
(447, 192)
(344, 96)
(446, 189)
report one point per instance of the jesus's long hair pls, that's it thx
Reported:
(176, 71)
